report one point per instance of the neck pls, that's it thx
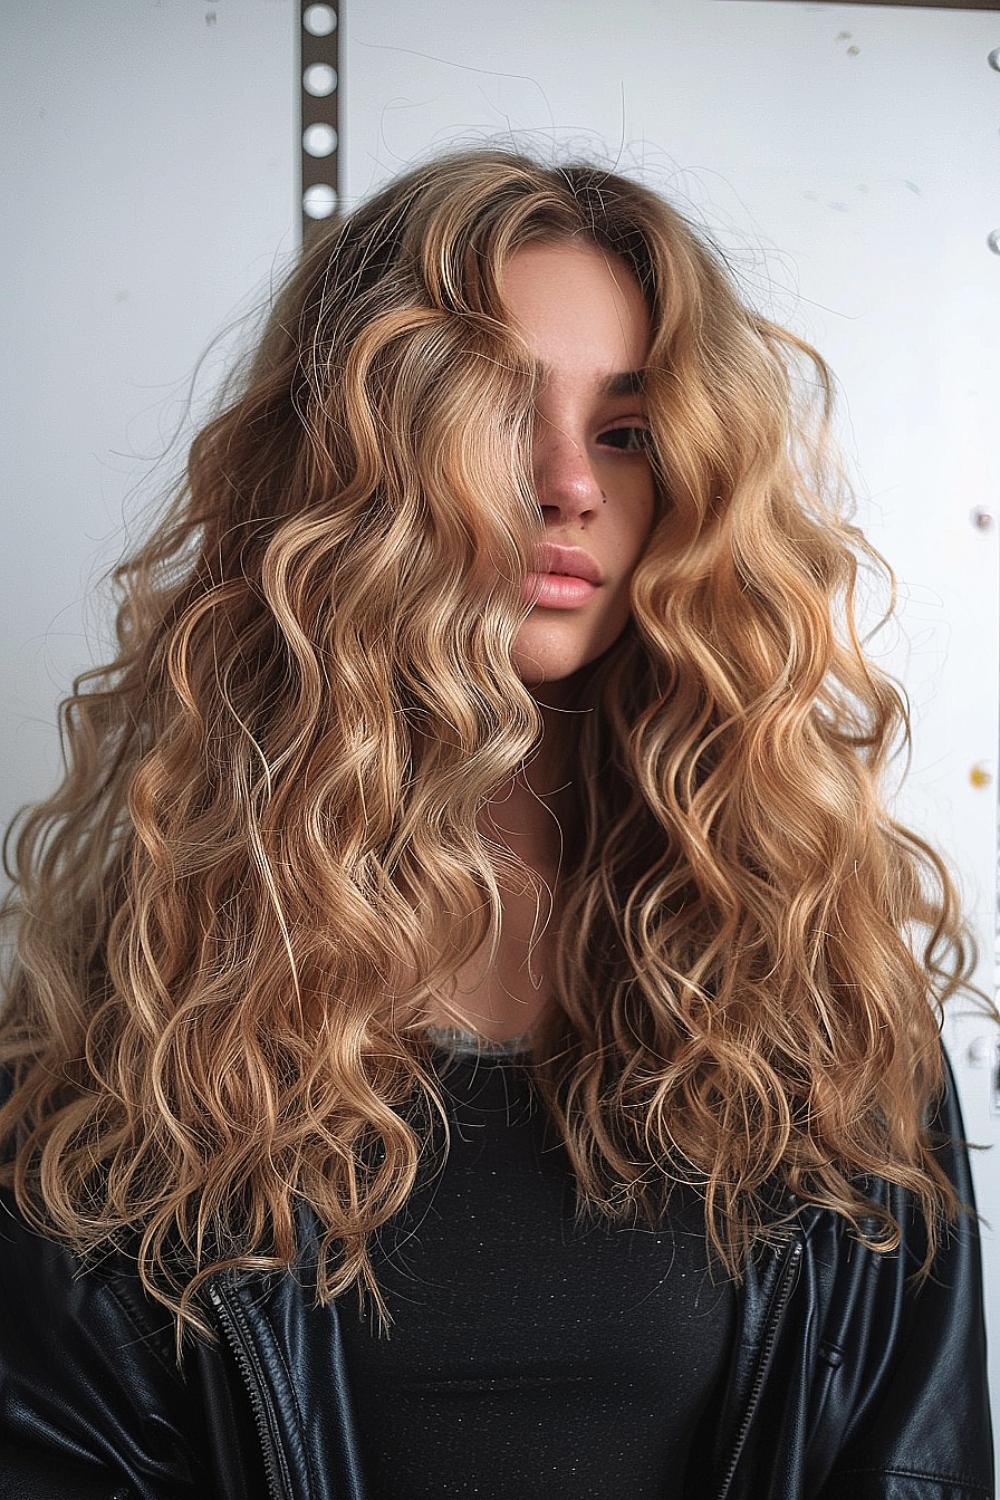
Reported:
(504, 995)
(530, 811)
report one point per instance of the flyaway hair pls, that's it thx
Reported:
(266, 853)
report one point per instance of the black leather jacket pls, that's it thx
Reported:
(848, 1378)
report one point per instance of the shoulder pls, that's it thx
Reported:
(46, 1289)
(897, 1351)
(838, 1261)
(88, 1374)
(42, 1280)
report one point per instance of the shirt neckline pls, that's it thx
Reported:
(457, 1042)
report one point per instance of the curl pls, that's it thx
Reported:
(266, 854)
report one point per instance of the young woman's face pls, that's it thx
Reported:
(584, 317)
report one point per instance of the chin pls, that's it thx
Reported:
(550, 660)
(557, 684)
(533, 672)
(551, 667)
(550, 650)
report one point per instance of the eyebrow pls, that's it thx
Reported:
(627, 383)
(624, 383)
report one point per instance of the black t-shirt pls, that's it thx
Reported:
(529, 1356)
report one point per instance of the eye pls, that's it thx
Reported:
(629, 438)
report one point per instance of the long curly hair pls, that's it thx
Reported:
(274, 794)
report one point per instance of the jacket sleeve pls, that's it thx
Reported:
(921, 1423)
(92, 1404)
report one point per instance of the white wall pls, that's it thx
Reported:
(846, 157)
(148, 152)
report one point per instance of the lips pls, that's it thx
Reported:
(567, 562)
(565, 578)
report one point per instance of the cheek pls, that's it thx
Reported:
(641, 515)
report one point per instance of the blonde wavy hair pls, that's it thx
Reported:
(225, 917)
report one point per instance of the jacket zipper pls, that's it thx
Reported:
(793, 1254)
(240, 1341)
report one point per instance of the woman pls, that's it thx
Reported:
(466, 1035)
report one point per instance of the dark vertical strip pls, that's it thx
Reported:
(319, 94)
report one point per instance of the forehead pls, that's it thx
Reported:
(577, 306)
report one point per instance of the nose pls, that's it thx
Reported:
(565, 482)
